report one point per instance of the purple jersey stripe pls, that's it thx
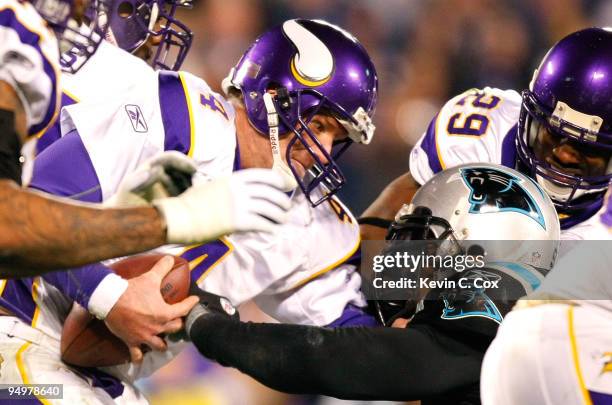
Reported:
(175, 112)
(355, 258)
(209, 253)
(508, 151)
(8, 18)
(354, 316)
(574, 218)
(112, 385)
(24, 400)
(17, 298)
(53, 110)
(74, 177)
(606, 217)
(600, 398)
(53, 133)
(78, 284)
(430, 148)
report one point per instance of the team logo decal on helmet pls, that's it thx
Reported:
(494, 190)
(313, 63)
(471, 301)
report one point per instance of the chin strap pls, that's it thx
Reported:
(278, 164)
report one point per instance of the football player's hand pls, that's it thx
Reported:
(248, 200)
(141, 314)
(165, 175)
(209, 303)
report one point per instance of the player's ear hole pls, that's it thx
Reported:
(125, 9)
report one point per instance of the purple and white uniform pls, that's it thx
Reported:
(556, 351)
(481, 126)
(29, 62)
(288, 273)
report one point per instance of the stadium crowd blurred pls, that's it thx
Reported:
(425, 52)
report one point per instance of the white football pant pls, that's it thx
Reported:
(550, 354)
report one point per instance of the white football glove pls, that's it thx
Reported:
(165, 175)
(248, 200)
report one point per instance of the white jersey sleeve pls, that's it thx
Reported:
(476, 126)
(162, 113)
(29, 62)
(211, 126)
(109, 72)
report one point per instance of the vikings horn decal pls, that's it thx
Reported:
(313, 63)
(493, 190)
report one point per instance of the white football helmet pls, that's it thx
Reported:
(484, 202)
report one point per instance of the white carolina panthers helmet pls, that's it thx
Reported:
(484, 202)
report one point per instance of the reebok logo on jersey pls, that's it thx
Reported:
(136, 118)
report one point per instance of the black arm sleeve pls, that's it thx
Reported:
(349, 363)
(10, 148)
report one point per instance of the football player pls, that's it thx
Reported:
(559, 132)
(436, 359)
(38, 233)
(554, 346)
(288, 109)
(147, 29)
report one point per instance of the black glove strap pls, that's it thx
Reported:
(375, 221)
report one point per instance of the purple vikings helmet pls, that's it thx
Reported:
(571, 97)
(134, 21)
(313, 67)
(78, 40)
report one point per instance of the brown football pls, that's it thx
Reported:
(87, 342)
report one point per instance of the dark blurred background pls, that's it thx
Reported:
(425, 51)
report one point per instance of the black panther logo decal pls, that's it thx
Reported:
(494, 190)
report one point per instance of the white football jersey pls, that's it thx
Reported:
(107, 73)
(276, 269)
(479, 126)
(29, 62)
(109, 137)
(163, 112)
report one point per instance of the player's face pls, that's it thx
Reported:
(570, 156)
(145, 52)
(328, 130)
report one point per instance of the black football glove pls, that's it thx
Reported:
(209, 303)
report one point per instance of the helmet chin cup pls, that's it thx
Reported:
(556, 192)
(278, 164)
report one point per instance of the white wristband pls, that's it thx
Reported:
(106, 295)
